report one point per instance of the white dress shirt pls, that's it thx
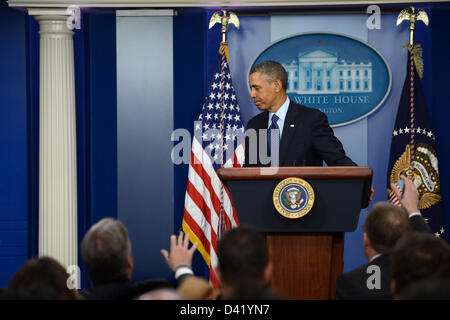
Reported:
(281, 114)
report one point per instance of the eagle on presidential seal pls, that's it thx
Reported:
(423, 171)
(292, 198)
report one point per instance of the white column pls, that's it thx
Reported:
(57, 139)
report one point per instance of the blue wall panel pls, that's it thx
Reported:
(440, 105)
(14, 201)
(33, 133)
(144, 127)
(103, 115)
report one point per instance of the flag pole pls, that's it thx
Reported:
(224, 20)
(415, 59)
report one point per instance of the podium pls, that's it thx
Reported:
(306, 252)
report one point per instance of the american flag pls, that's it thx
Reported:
(218, 142)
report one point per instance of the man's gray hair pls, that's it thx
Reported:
(105, 250)
(273, 70)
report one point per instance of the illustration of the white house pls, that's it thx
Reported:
(320, 72)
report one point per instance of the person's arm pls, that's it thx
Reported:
(179, 259)
(327, 145)
(409, 199)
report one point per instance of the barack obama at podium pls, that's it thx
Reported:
(302, 134)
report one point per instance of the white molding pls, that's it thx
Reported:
(145, 13)
(32, 11)
(198, 3)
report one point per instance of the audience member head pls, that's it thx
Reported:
(384, 226)
(106, 252)
(41, 278)
(418, 256)
(243, 260)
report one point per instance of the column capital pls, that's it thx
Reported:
(53, 21)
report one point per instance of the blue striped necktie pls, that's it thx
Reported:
(273, 126)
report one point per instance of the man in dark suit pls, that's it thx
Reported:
(106, 252)
(385, 224)
(304, 135)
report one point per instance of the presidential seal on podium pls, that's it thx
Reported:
(293, 197)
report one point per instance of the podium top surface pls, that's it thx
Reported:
(277, 173)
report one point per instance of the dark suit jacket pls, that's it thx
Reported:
(352, 285)
(307, 139)
(123, 290)
(418, 224)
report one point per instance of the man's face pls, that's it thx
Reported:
(263, 92)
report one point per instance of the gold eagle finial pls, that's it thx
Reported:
(225, 19)
(412, 16)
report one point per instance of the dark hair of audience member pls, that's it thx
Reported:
(242, 256)
(384, 225)
(434, 288)
(41, 278)
(252, 290)
(418, 256)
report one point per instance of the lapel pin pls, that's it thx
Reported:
(292, 125)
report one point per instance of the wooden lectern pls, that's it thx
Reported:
(306, 252)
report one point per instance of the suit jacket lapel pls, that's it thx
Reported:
(261, 123)
(264, 120)
(291, 124)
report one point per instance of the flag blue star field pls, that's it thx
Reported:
(413, 152)
(218, 142)
(221, 129)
